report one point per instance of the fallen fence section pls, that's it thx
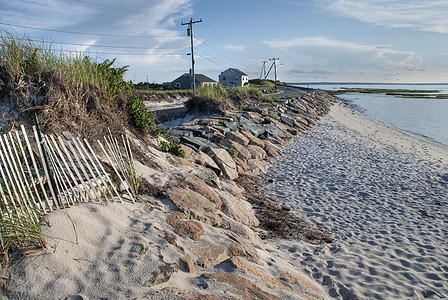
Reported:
(51, 172)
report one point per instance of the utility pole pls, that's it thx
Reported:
(275, 70)
(190, 34)
(263, 68)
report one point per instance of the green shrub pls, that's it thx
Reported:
(172, 147)
(232, 152)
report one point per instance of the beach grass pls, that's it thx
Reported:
(20, 228)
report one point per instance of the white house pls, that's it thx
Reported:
(233, 77)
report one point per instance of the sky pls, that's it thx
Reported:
(390, 41)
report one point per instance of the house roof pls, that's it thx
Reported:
(238, 71)
(203, 78)
(198, 77)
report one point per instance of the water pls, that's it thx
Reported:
(424, 118)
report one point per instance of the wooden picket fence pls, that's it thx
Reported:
(49, 171)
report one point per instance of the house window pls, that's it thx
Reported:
(224, 78)
(177, 84)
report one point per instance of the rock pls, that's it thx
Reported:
(178, 293)
(210, 163)
(185, 162)
(198, 143)
(208, 175)
(194, 205)
(213, 137)
(241, 286)
(189, 152)
(188, 263)
(232, 188)
(163, 274)
(179, 133)
(185, 227)
(208, 254)
(241, 165)
(256, 152)
(279, 141)
(238, 209)
(305, 285)
(199, 186)
(241, 151)
(225, 162)
(243, 250)
(292, 131)
(221, 129)
(241, 229)
(272, 151)
(170, 237)
(280, 125)
(287, 121)
(253, 140)
(272, 130)
(257, 165)
(271, 282)
(237, 137)
(256, 129)
(231, 125)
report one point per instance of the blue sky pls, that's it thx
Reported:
(315, 40)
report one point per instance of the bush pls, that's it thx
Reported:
(170, 146)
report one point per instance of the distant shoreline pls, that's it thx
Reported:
(361, 83)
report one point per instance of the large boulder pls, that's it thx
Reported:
(225, 162)
(241, 151)
(256, 152)
(237, 137)
(253, 140)
(194, 205)
(240, 286)
(238, 209)
(197, 143)
(257, 165)
(208, 254)
(198, 185)
(208, 175)
(254, 128)
(183, 227)
(273, 130)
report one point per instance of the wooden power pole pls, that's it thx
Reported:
(190, 34)
(275, 70)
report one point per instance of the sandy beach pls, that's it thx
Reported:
(381, 194)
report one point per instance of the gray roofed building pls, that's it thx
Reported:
(185, 81)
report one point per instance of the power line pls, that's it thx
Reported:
(223, 55)
(99, 46)
(112, 53)
(206, 58)
(89, 33)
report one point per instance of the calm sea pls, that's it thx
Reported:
(424, 118)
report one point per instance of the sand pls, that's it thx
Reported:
(381, 194)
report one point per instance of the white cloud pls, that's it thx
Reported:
(234, 47)
(423, 15)
(305, 55)
(324, 48)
